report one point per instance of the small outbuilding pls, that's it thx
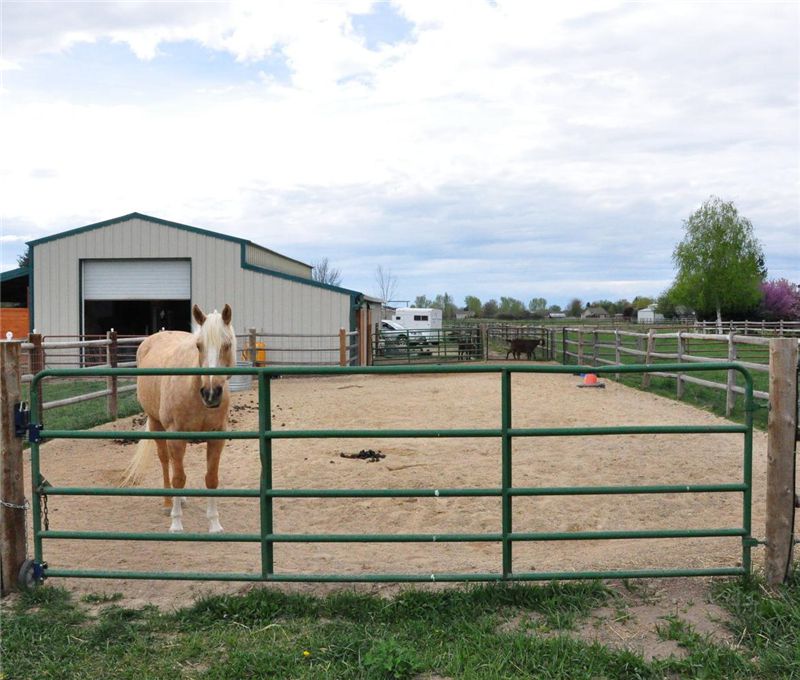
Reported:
(138, 274)
(649, 315)
(595, 313)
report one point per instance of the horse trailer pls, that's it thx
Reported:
(420, 319)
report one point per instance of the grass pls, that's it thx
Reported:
(457, 633)
(84, 414)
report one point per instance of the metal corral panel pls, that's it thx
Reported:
(268, 301)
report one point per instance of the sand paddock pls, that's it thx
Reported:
(421, 401)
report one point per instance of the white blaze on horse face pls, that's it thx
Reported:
(216, 343)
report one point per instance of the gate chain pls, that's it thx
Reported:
(16, 506)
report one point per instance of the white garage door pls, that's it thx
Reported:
(137, 279)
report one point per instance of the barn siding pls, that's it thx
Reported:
(271, 304)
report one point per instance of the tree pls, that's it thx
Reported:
(324, 273)
(538, 307)
(780, 301)
(511, 307)
(489, 309)
(554, 309)
(720, 262)
(387, 283)
(422, 301)
(666, 304)
(446, 304)
(575, 307)
(473, 304)
(642, 301)
(24, 260)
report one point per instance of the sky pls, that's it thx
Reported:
(474, 147)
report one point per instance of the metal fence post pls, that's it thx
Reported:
(506, 477)
(265, 449)
(37, 361)
(782, 430)
(681, 351)
(13, 510)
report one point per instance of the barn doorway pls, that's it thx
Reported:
(136, 297)
(135, 317)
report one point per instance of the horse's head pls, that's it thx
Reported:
(216, 346)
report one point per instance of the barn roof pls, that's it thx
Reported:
(155, 220)
(13, 274)
(204, 232)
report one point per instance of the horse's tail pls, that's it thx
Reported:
(141, 461)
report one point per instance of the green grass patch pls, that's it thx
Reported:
(469, 632)
(84, 414)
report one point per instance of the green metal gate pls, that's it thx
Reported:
(507, 535)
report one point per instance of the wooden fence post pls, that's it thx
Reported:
(617, 353)
(580, 347)
(681, 351)
(342, 347)
(782, 430)
(730, 395)
(13, 510)
(251, 345)
(648, 352)
(111, 382)
(594, 347)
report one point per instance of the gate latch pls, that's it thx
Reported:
(22, 418)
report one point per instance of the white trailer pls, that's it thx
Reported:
(420, 319)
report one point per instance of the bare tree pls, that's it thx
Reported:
(387, 283)
(324, 273)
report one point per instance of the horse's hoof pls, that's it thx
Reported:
(176, 530)
(216, 529)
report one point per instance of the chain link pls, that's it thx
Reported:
(15, 506)
(45, 517)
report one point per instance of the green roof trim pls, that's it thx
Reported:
(11, 274)
(204, 232)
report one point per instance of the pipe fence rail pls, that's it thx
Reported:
(507, 535)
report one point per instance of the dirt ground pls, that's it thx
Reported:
(421, 401)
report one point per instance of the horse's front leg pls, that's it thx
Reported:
(177, 447)
(213, 453)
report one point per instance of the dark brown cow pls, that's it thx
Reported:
(518, 346)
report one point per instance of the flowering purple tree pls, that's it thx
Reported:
(781, 300)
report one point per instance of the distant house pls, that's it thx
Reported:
(595, 313)
(556, 315)
(649, 315)
(464, 314)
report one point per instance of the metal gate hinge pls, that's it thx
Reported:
(34, 430)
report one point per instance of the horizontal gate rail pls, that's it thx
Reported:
(506, 433)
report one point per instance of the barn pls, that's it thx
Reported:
(138, 274)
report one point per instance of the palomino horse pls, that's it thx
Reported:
(186, 403)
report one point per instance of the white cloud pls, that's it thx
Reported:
(536, 118)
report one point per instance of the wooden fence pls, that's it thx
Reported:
(594, 347)
(71, 351)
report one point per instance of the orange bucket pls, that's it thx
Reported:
(590, 379)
